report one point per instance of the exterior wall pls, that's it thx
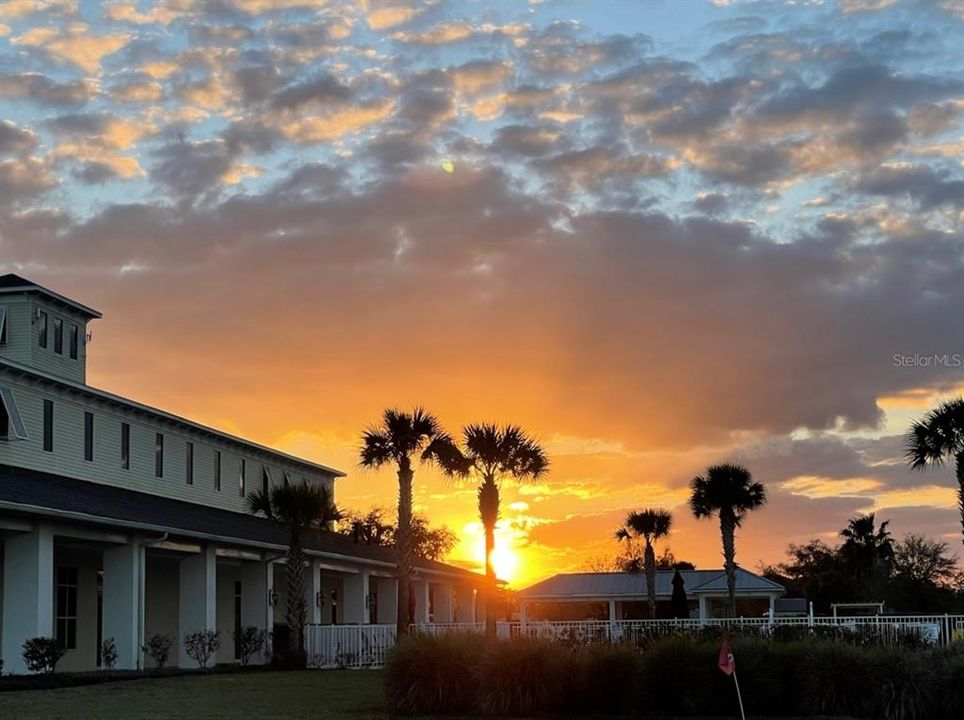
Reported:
(23, 344)
(331, 582)
(20, 335)
(161, 603)
(67, 457)
(88, 563)
(228, 574)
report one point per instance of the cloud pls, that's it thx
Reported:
(387, 17)
(73, 44)
(24, 179)
(337, 123)
(15, 140)
(46, 92)
(924, 185)
(138, 92)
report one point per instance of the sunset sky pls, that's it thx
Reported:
(657, 235)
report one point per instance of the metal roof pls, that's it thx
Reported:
(584, 586)
(11, 283)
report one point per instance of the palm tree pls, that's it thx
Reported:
(651, 525)
(301, 508)
(868, 552)
(492, 454)
(729, 492)
(401, 438)
(937, 438)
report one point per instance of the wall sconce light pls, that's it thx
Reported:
(273, 598)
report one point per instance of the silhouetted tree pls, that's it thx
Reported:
(868, 554)
(372, 528)
(400, 439)
(493, 454)
(678, 602)
(938, 438)
(729, 492)
(301, 508)
(650, 524)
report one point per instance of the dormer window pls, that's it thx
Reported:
(11, 423)
(58, 336)
(3, 326)
(74, 341)
(42, 329)
(265, 480)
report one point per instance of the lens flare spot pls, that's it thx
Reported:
(448, 166)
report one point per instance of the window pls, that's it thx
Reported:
(48, 425)
(158, 455)
(125, 446)
(11, 423)
(88, 436)
(189, 463)
(58, 336)
(67, 607)
(241, 478)
(265, 480)
(217, 470)
(74, 341)
(42, 330)
(3, 326)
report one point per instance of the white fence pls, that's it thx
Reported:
(361, 646)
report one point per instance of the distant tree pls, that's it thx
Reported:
(728, 492)
(937, 438)
(630, 559)
(493, 454)
(925, 561)
(669, 561)
(372, 528)
(814, 571)
(301, 508)
(868, 555)
(650, 524)
(401, 438)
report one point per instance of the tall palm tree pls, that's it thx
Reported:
(493, 454)
(937, 438)
(868, 552)
(650, 524)
(729, 492)
(301, 508)
(401, 438)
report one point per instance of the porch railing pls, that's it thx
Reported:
(360, 646)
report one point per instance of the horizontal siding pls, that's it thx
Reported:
(45, 359)
(67, 457)
(19, 335)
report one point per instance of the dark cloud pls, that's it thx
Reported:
(257, 82)
(94, 173)
(525, 140)
(926, 186)
(46, 92)
(711, 203)
(15, 140)
(189, 169)
(322, 89)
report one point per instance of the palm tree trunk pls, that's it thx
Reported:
(728, 531)
(489, 514)
(651, 578)
(960, 489)
(403, 546)
(296, 610)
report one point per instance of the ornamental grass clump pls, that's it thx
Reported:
(428, 675)
(525, 676)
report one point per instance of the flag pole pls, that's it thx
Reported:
(738, 696)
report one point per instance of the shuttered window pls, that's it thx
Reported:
(11, 423)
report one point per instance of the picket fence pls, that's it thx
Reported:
(366, 646)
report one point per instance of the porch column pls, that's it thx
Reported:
(422, 601)
(257, 584)
(773, 600)
(387, 608)
(312, 590)
(355, 601)
(122, 609)
(197, 608)
(28, 593)
(704, 608)
(443, 603)
(465, 604)
(612, 611)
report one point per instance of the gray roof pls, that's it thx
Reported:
(584, 586)
(11, 283)
(34, 493)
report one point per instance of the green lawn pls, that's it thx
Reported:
(320, 695)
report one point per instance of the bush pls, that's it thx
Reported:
(201, 645)
(250, 640)
(158, 646)
(608, 681)
(42, 654)
(428, 674)
(524, 676)
(108, 653)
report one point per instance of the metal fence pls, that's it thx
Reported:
(361, 646)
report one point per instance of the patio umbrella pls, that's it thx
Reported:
(678, 601)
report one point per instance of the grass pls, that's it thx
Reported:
(320, 695)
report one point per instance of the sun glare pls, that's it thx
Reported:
(505, 562)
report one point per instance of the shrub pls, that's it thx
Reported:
(250, 640)
(608, 683)
(951, 689)
(838, 679)
(426, 674)
(680, 677)
(158, 646)
(108, 653)
(524, 676)
(201, 645)
(42, 654)
(906, 686)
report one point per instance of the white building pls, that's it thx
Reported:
(623, 596)
(118, 520)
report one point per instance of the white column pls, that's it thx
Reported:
(773, 600)
(387, 608)
(612, 611)
(122, 610)
(312, 590)
(465, 604)
(257, 583)
(355, 593)
(704, 608)
(523, 612)
(28, 593)
(421, 590)
(197, 588)
(442, 593)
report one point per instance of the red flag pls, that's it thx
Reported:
(727, 662)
